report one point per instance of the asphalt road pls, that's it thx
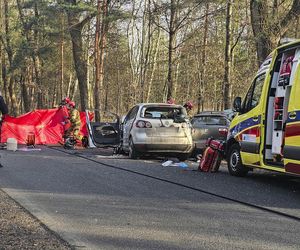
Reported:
(103, 202)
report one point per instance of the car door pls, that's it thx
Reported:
(104, 133)
(291, 149)
(127, 125)
(249, 129)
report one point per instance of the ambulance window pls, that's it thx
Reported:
(254, 93)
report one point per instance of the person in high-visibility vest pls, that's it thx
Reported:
(75, 122)
(188, 107)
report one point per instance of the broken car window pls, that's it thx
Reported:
(163, 112)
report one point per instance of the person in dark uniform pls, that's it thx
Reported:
(3, 107)
(4, 111)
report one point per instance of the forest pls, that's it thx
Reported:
(112, 54)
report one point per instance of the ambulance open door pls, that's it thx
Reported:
(291, 148)
(250, 127)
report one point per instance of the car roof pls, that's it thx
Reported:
(159, 105)
(211, 113)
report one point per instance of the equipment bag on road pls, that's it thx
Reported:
(212, 156)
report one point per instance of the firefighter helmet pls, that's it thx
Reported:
(71, 104)
(188, 105)
(67, 99)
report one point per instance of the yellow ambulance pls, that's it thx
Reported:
(265, 133)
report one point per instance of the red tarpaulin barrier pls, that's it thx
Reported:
(46, 124)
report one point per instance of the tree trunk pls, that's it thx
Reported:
(34, 52)
(275, 8)
(145, 49)
(297, 27)
(227, 62)
(75, 29)
(259, 15)
(9, 79)
(62, 51)
(203, 62)
(133, 84)
(100, 49)
(69, 84)
(97, 92)
(37, 63)
(90, 69)
(103, 44)
(268, 33)
(170, 78)
(4, 79)
(80, 64)
(119, 92)
(153, 67)
(171, 50)
(73, 90)
(3, 59)
(26, 99)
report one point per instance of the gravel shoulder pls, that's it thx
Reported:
(21, 230)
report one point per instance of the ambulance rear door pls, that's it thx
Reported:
(291, 149)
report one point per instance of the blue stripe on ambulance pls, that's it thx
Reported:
(296, 119)
(244, 125)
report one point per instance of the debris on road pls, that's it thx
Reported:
(170, 163)
(26, 149)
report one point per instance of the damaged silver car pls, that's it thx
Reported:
(157, 128)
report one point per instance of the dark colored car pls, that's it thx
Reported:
(209, 124)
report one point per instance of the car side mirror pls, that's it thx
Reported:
(237, 104)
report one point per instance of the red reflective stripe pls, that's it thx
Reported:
(292, 130)
(292, 168)
(252, 131)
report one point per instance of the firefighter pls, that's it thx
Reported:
(188, 106)
(75, 123)
(65, 113)
(65, 101)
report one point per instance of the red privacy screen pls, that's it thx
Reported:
(46, 124)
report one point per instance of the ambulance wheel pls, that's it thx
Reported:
(235, 166)
(133, 154)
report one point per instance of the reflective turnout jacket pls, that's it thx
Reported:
(75, 118)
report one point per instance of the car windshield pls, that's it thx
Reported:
(209, 120)
(162, 112)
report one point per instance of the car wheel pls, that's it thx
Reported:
(183, 157)
(133, 154)
(235, 166)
